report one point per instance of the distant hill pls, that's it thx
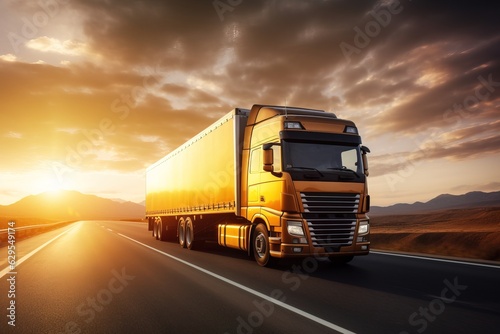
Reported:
(442, 202)
(71, 205)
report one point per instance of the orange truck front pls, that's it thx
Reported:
(306, 185)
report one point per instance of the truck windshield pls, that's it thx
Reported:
(323, 159)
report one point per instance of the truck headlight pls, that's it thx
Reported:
(364, 227)
(294, 228)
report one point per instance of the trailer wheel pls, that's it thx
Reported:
(189, 233)
(162, 232)
(182, 233)
(260, 246)
(155, 229)
(159, 233)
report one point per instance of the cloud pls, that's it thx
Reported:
(8, 57)
(278, 51)
(473, 131)
(76, 115)
(435, 104)
(183, 35)
(467, 150)
(464, 144)
(49, 44)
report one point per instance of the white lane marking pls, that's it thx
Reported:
(251, 291)
(109, 229)
(33, 252)
(437, 259)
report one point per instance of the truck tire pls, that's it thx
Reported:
(162, 232)
(182, 232)
(260, 246)
(155, 229)
(189, 233)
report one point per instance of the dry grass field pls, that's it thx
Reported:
(467, 233)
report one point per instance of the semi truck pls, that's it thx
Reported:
(273, 181)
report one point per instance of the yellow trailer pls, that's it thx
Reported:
(274, 181)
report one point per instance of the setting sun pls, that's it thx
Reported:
(48, 183)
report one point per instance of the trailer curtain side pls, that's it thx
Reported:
(202, 175)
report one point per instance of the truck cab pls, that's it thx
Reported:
(306, 185)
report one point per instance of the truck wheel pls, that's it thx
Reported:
(162, 233)
(189, 234)
(155, 229)
(182, 233)
(260, 246)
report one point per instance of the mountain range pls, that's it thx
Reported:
(71, 205)
(442, 202)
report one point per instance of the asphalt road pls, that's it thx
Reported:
(113, 277)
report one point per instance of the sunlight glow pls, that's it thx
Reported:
(47, 183)
(54, 188)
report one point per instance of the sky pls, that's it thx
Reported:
(93, 92)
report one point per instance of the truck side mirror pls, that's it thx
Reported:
(268, 158)
(365, 150)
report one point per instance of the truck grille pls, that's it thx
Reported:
(331, 218)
